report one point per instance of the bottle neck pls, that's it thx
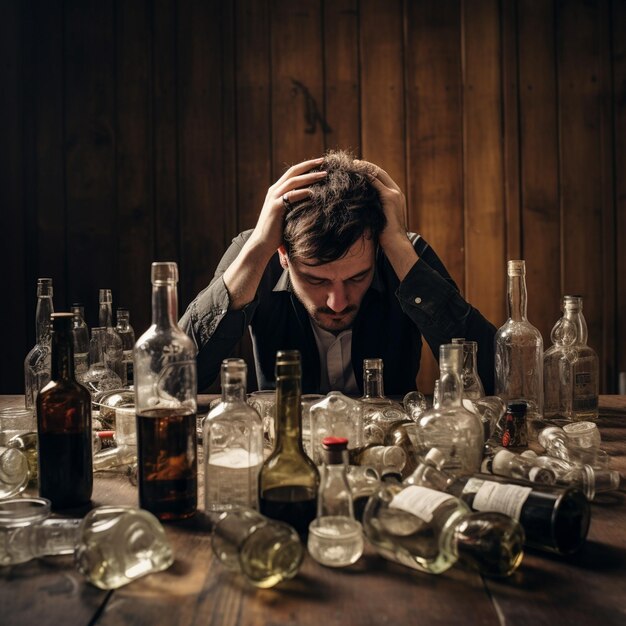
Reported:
(233, 387)
(62, 356)
(576, 317)
(164, 305)
(450, 389)
(96, 348)
(288, 410)
(517, 298)
(105, 315)
(373, 387)
(42, 319)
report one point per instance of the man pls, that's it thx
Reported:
(330, 270)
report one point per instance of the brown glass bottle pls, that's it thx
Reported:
(64, 426)
(289, 480)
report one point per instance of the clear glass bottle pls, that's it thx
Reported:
(265, 551)
(554, 519)
(507, 463)
(364, 481)
(335, 537)
(233, 445)
(519, 352)
(127, 335)
(113, 347)
(14, 472)
(99, 377)
(64, 426)
(37, 362)
(456, 432)
(165, 401)
(430, 531)
(415, 404)
(379, 457)
(289, 480)
(80, 337)
(472, 385)
(335, 415)
(557, 444)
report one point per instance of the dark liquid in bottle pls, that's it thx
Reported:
(294, 505)
(65, 470)
(168, 474)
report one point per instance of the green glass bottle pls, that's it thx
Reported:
(289, 480)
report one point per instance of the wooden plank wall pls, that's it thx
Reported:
(140, 130)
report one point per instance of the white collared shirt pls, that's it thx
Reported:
(336, 372)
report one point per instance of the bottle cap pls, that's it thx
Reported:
(62, 321)
(435, 457)
(500, 462)
(451, 356)
(334, 448)
(164, 273)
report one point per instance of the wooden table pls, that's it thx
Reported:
(588, 588)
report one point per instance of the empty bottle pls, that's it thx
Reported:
(99, 377)
(14, 472)
(80, 337)
(127, 335)
(37, 362)
(519, 352)
(472, 385)
(113, 346)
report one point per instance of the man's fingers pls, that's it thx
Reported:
(304, 180)
(380, 174)
(299, 168)
(295, 195)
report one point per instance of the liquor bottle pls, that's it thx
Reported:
(558, 444)
(379, 457)
(99, 377)
(507, 463)
(430, 531)
(64, 426)
(472, 385)
(113, 347)
(233, 445)
(127, 335)
(37, 362)
(289, 480)
(519, 352)
(165, 402)
(456, 432)
(335, 537)
(511, 430)
(80, 338)
(415, 404)
(554, 519)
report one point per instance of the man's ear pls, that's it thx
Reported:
(284, 259)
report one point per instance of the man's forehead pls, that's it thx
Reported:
(358, 258)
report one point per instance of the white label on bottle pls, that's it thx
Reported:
(473, 485)
(419, 501)
(507, 499)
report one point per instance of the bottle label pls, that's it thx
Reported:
(507, 499)
(419, 501)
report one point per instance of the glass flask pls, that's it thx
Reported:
(430, 531)
(233, 445)
(80, 338)
(335, 415)
(452, 429)
(472, 385)
(127, 335)
(289, 480)
(64, 426)
(14, 472)
(519, 352)
(165, 402)
(265, 551)
(37, 362)
(99, 377)
(364, 481)
(335, 537)
(113, 346)
(415, 404)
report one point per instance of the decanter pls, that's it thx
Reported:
(519, 352)
(37, 363)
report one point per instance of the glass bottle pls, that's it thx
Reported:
(233, 445)
(80, 338)
(335, 537)
(64, 426)
(452, 429)
(113, 347)
(507, 463)
(127, 335)
(430, 531)
(14, 472)
(554, 519)
(165, 402)
(379, 457)
(364, 481)
(37, 362)
(472, 385)
(99, 377)
(557, 444)
(519, 352)
(289, 480)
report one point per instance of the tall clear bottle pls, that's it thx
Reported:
(127, 335)
(37, 362)
(80, 336)
(99, 377)
(519, 352)
(232, 436)
(64, 426)
(114, 348)
(451, 428)
(472, 385)
(165, 401)
(289, 480)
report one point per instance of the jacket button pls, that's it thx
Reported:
(418, 300)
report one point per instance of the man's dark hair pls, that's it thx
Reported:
(342, 208)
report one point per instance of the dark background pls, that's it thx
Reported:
(139, 130)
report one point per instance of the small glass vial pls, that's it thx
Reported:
(335, 537)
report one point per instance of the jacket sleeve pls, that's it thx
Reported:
(215, 328)
(431, 299)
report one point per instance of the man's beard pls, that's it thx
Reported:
(318, 315)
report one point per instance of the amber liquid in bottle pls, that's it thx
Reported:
(64, 426)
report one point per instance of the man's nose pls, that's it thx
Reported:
(337, 299)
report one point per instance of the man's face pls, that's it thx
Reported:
(332, 293)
